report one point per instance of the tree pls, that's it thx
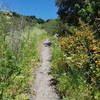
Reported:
(72, 10)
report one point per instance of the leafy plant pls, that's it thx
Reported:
(77, 66)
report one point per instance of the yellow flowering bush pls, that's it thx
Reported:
(82, 52)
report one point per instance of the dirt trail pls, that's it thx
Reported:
(43, 89)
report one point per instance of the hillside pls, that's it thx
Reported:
(20, 19)
(20, 37)
(56, 59)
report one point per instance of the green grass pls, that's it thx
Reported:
(17, 63)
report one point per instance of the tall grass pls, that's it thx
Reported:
(19, 54)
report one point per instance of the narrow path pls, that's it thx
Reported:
(43, 89)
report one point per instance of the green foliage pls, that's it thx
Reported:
(18, 55)
(58, 27)
(71, 85)
(50, 26)
(75, 65)
(97, 27)
(64, 29)
(71, 10)
(23, 20)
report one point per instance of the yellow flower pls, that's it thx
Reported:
(93, 41)
(95, 48)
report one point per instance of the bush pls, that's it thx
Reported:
(77, 70)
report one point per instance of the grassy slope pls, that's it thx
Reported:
(26, 58)
(19, 52)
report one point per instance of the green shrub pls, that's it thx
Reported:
(75, 65)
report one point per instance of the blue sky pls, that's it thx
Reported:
(45, 9)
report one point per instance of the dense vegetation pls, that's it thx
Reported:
(76, 50)
(18, 54)
(76, 62)
(75, 38)
(71, 10)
